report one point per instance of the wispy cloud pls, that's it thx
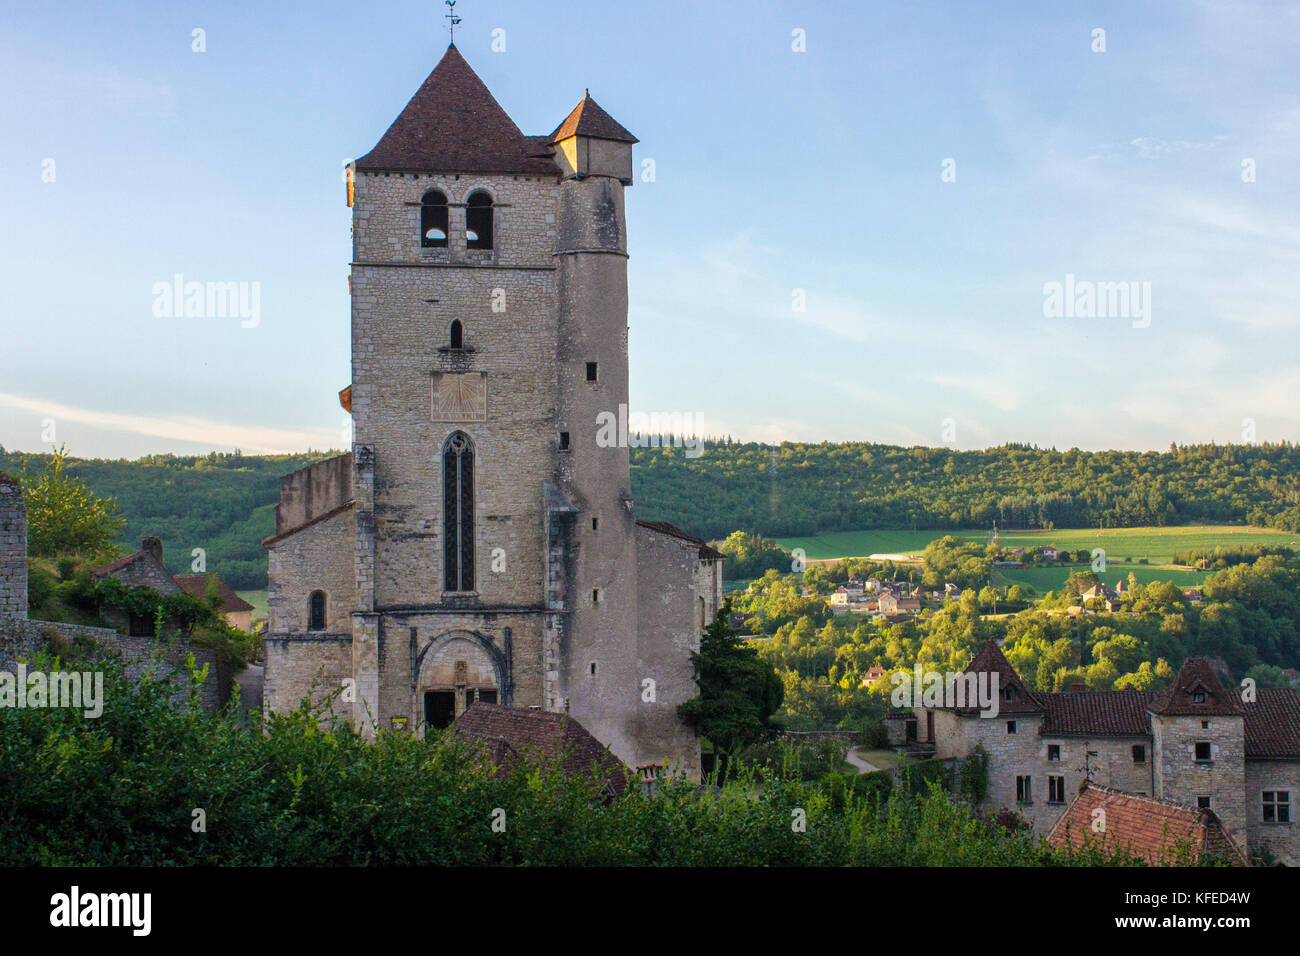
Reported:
(186, 428)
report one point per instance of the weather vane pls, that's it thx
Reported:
(454, 20)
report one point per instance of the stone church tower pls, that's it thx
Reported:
(478, 543)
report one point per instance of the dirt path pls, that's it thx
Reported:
(862, 765)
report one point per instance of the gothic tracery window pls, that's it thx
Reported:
(458, 513)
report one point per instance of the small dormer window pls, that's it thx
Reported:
(1198, 697)
(1009, 694)
(478, 221)
(433, 220)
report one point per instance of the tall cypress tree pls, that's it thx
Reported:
(739, 693)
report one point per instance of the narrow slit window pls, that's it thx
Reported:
(478, 221)
(458, 513)
(457, 334)
(316, 611)
(433, 220)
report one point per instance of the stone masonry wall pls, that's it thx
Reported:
(1281, 840)
(1179, 777)
(312, 666)
(13, 550)
(318, 557)
(668, 621)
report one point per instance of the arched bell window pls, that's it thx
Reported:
(457, 334)
(458, 512)
(433, 220)
(316, 611)
(478, 221)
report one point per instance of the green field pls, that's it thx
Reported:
(1157, 545)
(1049, 579)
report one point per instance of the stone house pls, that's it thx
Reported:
(237, 612)
(480, 542)
(21, 638)
(1195, 744)
(142, 569)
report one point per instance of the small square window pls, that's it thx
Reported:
(1011, 726)
(1205, 725)
(591, 371)
(1276, 806)
(1202, 803)
(564, 441)
(1203, 753)
(1139, 753)
(1054, 752)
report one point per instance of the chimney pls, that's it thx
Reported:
(152, 545)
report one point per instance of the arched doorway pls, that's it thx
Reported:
(455, 670)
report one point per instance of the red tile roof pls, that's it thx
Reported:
(707, 552)
(453, 124)
(1197, 676)
(990, 659)
(588, 119)
(512, 731)
(113, 567)
(1273, 724)
(196, 585)
(1111, 713)
(1144, 826)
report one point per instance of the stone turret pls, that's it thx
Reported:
(600, 667)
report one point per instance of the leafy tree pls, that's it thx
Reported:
(739, 693)
(65, 518)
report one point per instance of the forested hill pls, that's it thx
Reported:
(798, 489)
(226, 503)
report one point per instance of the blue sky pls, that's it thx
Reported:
(775, 170)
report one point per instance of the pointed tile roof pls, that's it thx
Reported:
(990, 659)
(588, 119)
(1197, 677)
(453, 124)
